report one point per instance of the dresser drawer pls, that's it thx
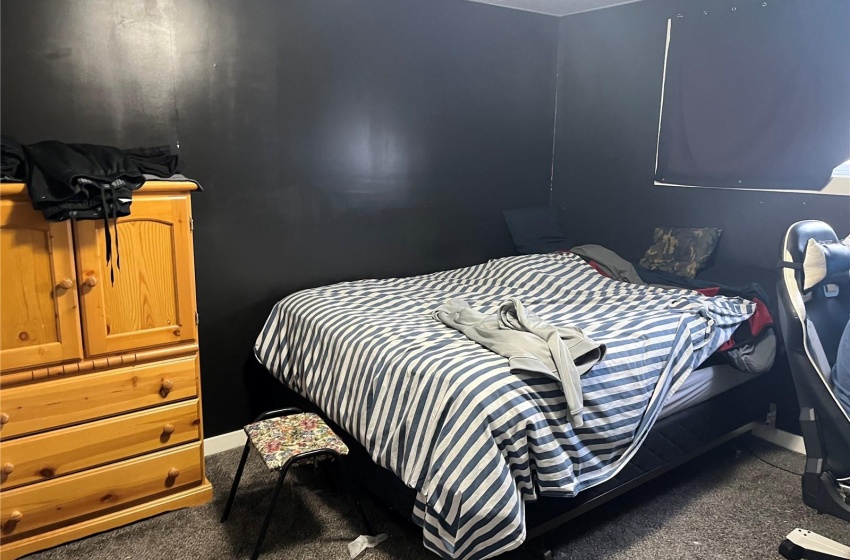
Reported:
(62, 402)
(61, 452)
(63, 500)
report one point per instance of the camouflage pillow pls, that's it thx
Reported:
(682, 251)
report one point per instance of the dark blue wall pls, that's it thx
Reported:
(336, 140)
(609, 93)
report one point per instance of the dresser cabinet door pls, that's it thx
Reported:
(152, 300)
(40, 321)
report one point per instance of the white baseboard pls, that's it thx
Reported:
(789, 441)
(224, 442)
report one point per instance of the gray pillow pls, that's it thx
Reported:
(536, 231)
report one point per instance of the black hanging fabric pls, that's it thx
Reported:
(87, 181)
(13, 160)
(157, 160)
(757, 96)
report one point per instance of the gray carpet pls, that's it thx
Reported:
(722, 506)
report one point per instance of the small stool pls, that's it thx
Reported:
(285, 437)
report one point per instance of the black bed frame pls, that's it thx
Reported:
(671, 442)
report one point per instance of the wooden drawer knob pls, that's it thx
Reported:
(8, 468)
(4, 418)
(91, 282)
(173, 473)
(168, 429)
(66, 284)
(16, 516)
(166, 387)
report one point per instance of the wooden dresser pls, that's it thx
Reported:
(100, 400)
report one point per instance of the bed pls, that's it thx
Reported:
(488, 453)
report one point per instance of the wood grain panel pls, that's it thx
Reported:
(152, 301)
(40, 321)
(144, 296)
(62, 402)
(73, 449)
(62, 500)
(28, 317)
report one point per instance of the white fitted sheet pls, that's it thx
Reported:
(701, 385)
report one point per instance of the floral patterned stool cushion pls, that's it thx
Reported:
(283, 438)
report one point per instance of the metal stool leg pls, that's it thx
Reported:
(323, 467)
(236, 481)
(268, 518)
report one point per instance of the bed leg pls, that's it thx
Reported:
(542, 553)
(539, 550)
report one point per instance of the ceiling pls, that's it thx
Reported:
(556, 7)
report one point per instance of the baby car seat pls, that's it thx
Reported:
(814, 307)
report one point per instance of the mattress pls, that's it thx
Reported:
(703, 384)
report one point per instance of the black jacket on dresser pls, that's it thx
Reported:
(88, 181)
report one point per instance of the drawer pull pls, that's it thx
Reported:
(4, 418)
(66, 284)
(91, 281)
(168, 429)
(12, 523)
(173, 473)
(8, 469)
(166, 387)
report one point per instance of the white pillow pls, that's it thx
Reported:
(824, 260)
(814, 265)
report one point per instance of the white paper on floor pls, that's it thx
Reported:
(363, 542)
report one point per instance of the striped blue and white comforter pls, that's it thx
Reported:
(448, 417)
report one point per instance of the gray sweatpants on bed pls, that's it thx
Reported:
(530, 344)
